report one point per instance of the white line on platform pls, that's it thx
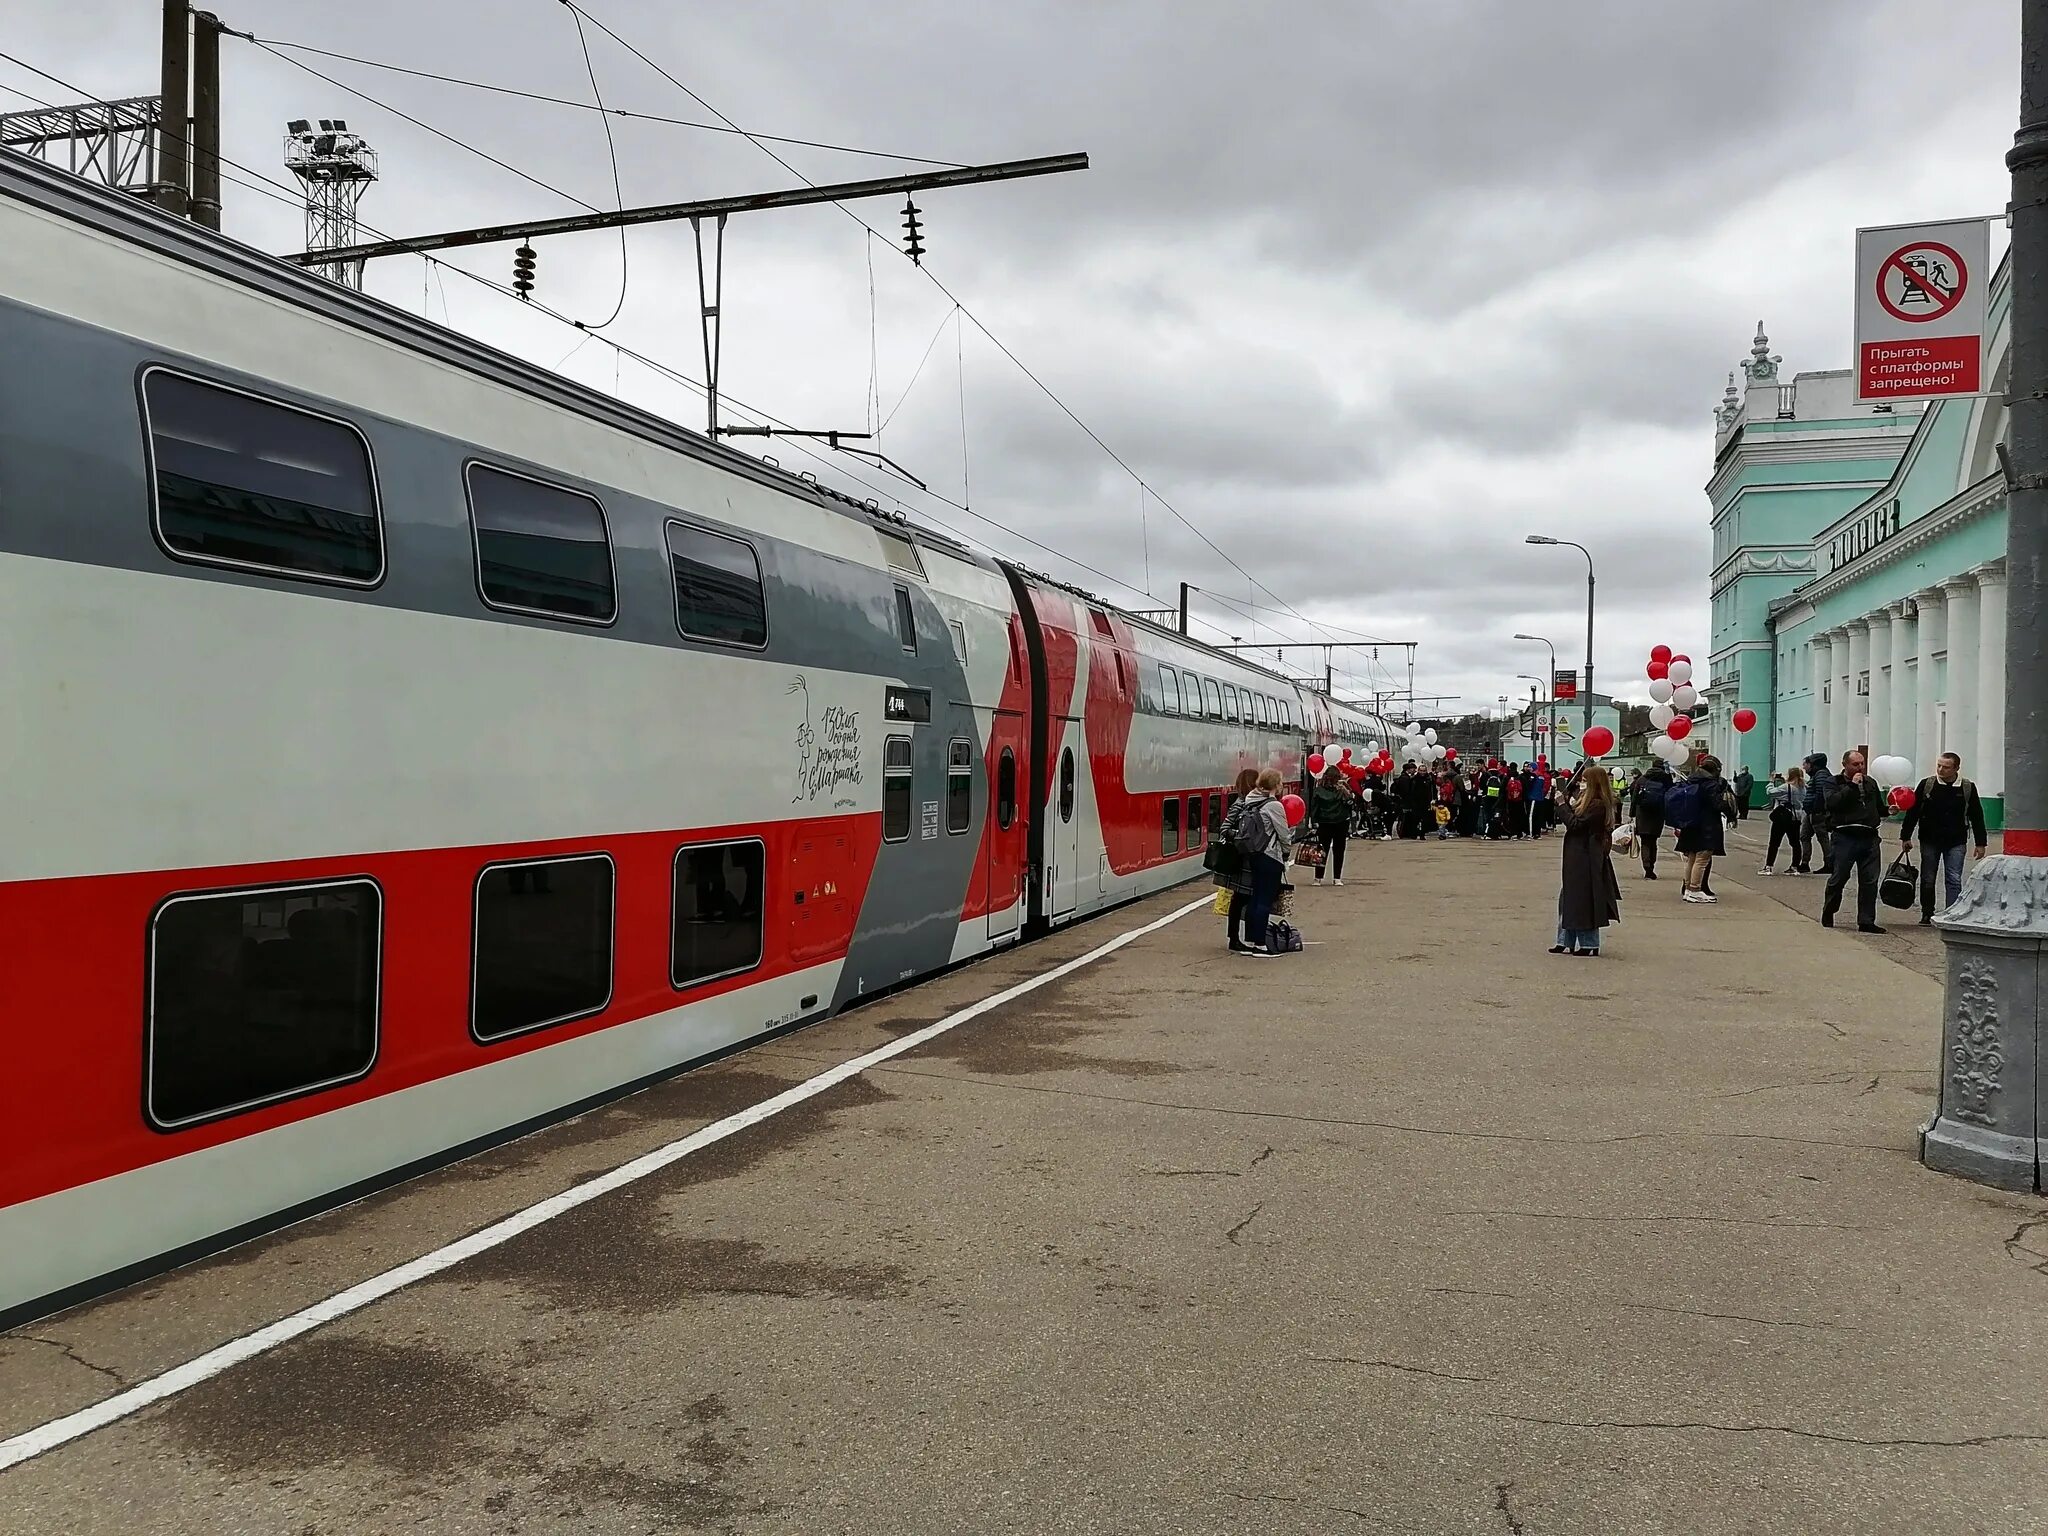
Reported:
(31, 1443)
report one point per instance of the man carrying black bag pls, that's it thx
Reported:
(1947, 813)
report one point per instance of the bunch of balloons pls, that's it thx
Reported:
(1420, 745)
(1892, 772)
(1672, 698)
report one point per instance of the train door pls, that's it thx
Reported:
(1063, 825)
(1007, 857)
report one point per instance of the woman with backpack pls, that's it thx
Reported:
(1588, 898)
(1232, 870)
(1261, 835)
(1696, 808)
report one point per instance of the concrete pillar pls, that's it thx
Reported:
(1962, 665)
(1818, 680)
(1880, 737)
(1841, 717)
(1905, 677)
(1859, 664)
(1987, 765)
(1933, 604)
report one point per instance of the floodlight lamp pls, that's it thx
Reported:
(340, 126)
(298, 125)
(326, 126)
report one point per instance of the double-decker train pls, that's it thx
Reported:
(406, 746)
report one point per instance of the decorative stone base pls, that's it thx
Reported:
(1993, 1098)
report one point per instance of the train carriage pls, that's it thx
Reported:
(407, 746)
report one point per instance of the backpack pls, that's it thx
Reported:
(1282, 937)
(1514, 789)
(1254, 832)
(1685, 805)
(1649, 794)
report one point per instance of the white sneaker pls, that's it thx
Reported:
(1767, 870)
(1696, 897)
(1340, 882)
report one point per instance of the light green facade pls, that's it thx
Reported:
(1846, 537)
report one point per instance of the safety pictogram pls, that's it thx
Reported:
(1922, 282)
(1920, 310)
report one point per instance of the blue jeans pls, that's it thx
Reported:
(1578, 938)
(1266, 877)
(1950, 862)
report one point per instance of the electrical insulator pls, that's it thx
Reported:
(913, 245)
(522, 271)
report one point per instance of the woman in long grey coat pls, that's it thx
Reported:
(1589, 898)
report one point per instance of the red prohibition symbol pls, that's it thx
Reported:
(1934, 280)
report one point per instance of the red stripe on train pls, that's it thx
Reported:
(70, 1102)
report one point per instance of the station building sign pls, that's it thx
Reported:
(1863, 535)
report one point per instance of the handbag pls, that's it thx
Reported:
(1900, 886)
(1221, 905)
(1309, 855)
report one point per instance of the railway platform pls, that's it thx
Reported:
(1420, 1230)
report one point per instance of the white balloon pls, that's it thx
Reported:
(1332, 753)
(1430, 735)
(1372, 749)
(1891, 771)
(1681, 672)
(1661, 715)
(1660, 691)
(1684, 696)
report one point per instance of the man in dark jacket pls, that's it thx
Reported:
(1647, 801)
(1820, 783)
(1855, 808)
(1946, 810)
(1745, 784)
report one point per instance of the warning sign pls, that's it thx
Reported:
(1920, 309)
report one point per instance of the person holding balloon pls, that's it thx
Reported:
(1588, 897)
(1263, 834)
(1856, 808)
(1946, 811)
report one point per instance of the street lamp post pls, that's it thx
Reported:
(1587, 718)
(1553, 690)
(1989, 1123)
(1533, 702)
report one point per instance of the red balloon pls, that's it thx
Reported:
(1295, 809)
(1681, 656)
(1315, 763)
(1660, 653)
(1902, 798)
(1679, 728)
(1599, 741)
(1744, 720)
(1344, 756)
(1450, 754)
(1657, 669)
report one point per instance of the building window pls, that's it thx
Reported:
(906, 620)
(959, 784)
(896, 782)
(717, 902)
(901, 553)
(247, 482)
(1067, 784)
(1169, 826)
(259, 995)
(1194, 821)
(543, 945)
(1006, 789)
(539, 548)
(719, 597)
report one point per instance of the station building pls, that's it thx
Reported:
(1859, 571)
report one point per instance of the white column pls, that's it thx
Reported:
(1841, 718)
(1905, 674)
(1859, 663)
(1988, 766)
(1880, 737)
(1933, 627)
(1962, 664)
(1819, 672)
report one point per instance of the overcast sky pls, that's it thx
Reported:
(1366, 290)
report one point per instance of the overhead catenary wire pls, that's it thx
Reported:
(611, 149)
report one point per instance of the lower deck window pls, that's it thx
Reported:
(1169, 827)
(896, 789)
(259, 995)
(543, 948)
(1194, 821)
(718, 907)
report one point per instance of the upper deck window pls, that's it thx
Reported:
(244, 481)
(719, 596)
(540, 548)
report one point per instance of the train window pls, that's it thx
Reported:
(1169, 689)
(248, 482)
(959, 784)
(906, 620)
(716, 904)
(539, 548)
(1016, 651)
(1215, 810)
(1006, 789)
(259, 995)
(1102, 626)
(1123, 681)
(1213, 697)
(718, 587)
(901, 553)
(1169, 826)
(896, 789)
(959, 638)
(1230, 703)
(542, 952)
(1067, 785)
(1194, 821)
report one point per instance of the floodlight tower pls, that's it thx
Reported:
(336, 168)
